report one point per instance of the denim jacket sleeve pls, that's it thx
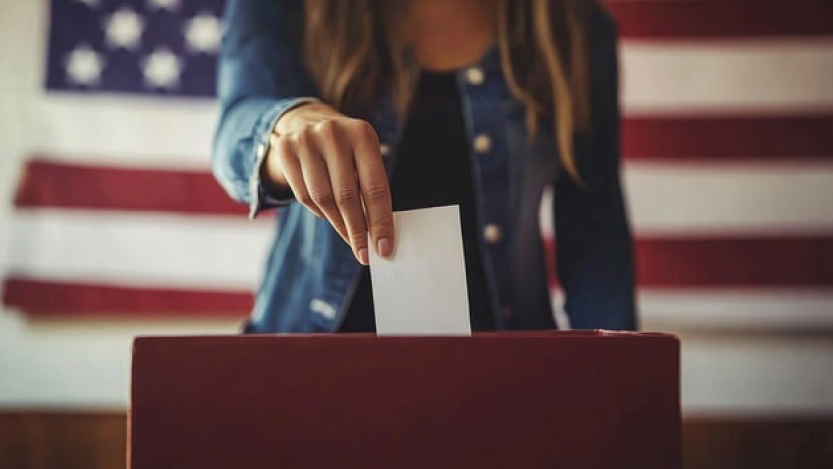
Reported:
(261, 76)
(595, 250)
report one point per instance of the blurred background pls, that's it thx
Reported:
(111, 224)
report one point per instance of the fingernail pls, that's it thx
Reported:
(384, 247)
(363, 256)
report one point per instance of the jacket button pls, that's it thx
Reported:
(482, 143)
(474, 76)
(384, 149)
(492, 233)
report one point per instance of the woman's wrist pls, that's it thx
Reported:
(271, 174)
(300, 116)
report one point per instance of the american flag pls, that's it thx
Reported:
(727, 139)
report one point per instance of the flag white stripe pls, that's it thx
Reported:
(783, 75)
(762, 199)
(737, 309)
(674, 77)
(150, 132)
(80, 362)
(727, 309)
(138, 249)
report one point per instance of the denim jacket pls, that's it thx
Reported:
(311, 273)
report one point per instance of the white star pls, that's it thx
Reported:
(169, 5)
(202, 33)
(84, 66)
(89, 3)
(162, 69)
(124, 29)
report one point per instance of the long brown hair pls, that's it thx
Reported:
(356, 48)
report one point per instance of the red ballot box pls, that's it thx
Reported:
(572, 400)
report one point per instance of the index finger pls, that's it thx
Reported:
(373, 184)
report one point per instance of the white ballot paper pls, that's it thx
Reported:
(421, 288)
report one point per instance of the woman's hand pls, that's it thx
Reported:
(333, 165)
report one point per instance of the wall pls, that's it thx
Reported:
(56, 363)
(83, 364)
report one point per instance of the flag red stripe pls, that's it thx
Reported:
(661, 263)
(70, 299)
(58, 185)
(781, 262)
(722, 18)
(732, 262)
(717, 137)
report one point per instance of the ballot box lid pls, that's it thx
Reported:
(577, 399)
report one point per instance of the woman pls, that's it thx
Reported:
(341, 111)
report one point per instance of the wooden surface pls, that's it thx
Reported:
(57, 440)
(72, 440)
(758, 443)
